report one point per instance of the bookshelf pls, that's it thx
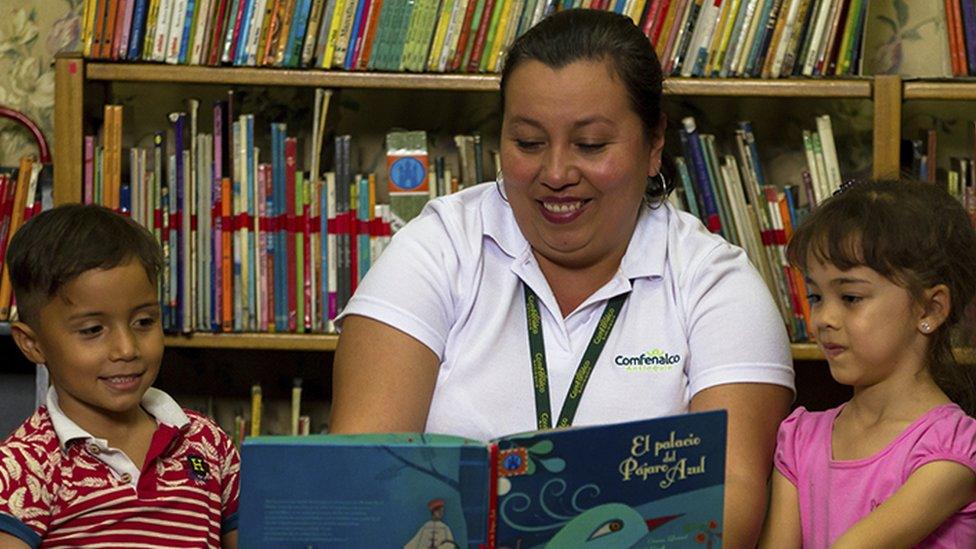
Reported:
(75, 75)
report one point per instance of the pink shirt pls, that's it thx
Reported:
(834, 494)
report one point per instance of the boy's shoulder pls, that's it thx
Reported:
(203, 428)
(34, 443)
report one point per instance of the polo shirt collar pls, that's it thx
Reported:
(158, 404)
(646, 253)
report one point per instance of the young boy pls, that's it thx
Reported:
(109, 461)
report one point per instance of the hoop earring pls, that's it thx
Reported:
(656, 193)
(500, 185)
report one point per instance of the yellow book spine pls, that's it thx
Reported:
(713, 45)
(723, 46)
(255, 410)
(88, 22)
(662, 40)
(499, 35)
(340, 7)
(443, 19)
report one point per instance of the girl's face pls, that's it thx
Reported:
(866, 325)
(575, 158)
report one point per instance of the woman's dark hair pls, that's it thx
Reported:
(57, 245)
(914, 234)
(594, 35)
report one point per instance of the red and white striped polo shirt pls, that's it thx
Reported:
(61, 487)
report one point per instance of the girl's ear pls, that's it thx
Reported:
(26, 340)
(936, 305)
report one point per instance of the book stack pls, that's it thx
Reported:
(20, 199)
(822, 176)
(732, 196)
(768, 38)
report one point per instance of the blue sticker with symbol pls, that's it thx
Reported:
(407, 173)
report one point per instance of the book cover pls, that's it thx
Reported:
(649, 483)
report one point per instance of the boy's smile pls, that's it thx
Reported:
(102, 341)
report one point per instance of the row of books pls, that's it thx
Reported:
(256, 245)
(918, 159)
(757, 38)
(732, 196)
(960, 17)
(20, 199)
(768, 38)
(392, 35)
(249, 245)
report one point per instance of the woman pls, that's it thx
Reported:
(574, 233)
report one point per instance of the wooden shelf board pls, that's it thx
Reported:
(787, 87)
(142, 72)
(279, 342)
(941, 90)
(139, 72)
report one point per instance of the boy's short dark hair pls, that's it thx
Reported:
(57, 245)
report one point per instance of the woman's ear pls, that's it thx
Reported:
(936, 304)
(657, 145)
(26, 339)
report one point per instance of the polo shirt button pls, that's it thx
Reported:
(94, 450)
(126, 478)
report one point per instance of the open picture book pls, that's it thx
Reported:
(655, 483)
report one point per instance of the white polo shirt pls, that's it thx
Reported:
(699, 315)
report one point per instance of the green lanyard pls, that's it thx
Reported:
(540, 376)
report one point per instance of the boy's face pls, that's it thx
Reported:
(102, 341)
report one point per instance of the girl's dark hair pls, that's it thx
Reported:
(914, 234)
(594, 35)
(59, 244)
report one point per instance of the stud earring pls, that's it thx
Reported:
(925, 327)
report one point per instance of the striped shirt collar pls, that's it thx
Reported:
(158, 404)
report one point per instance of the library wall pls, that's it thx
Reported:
(31, 33)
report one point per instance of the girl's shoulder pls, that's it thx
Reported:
(804, 427)
(945, 433)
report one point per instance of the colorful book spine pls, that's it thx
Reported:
(693, 151)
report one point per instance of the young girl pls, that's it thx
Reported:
(890, 268)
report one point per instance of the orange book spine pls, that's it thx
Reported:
(107, 115)
(226, 259)
(16, 219)
(116, 155)
(952, 16)
(100, 8)
(367, 48)
(109, 30)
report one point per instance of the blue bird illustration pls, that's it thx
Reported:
(612, 525)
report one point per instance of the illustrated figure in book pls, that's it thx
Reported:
(889, 267)
(435, 532)
(570, 291)
(108, 461)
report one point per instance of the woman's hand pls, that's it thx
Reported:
(382, 380)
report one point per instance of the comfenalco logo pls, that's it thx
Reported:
(654, 360)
